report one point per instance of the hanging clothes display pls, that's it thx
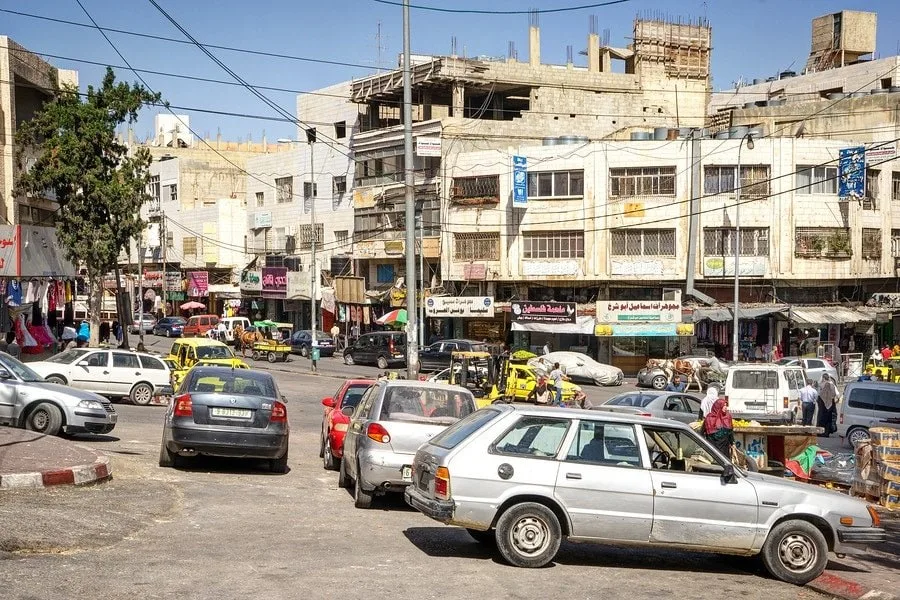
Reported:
(14, 293)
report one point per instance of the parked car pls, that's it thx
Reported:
(144, 325)
(170, 326)
(814, 368)
(525, 478)
(335, 422)
(187, 353)
(712, 372)
(230, 324)
(867, 404)
(390, 422)
(765, 392)
(521, 379)
(437, 355)
(580, 367)
(237, 413)
(199, 325)
(301, 342)
(29, 402)
(112, 373)
(382, 348)
(662, 405)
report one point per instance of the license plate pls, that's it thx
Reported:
(407, 472)
(231, 413)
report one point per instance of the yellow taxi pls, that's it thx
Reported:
(521, 379)
(186, 353)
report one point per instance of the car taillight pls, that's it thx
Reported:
(183, 406)
(279, 413)
(787, 402)
(377, 432)
(644, 414)
(442, 483)
(876, 518)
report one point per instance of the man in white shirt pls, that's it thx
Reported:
(808, 398)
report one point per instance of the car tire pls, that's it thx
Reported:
(348, 359)
(856, 435)
(361, 498)
(795, 552)
(280, 464)
(343, 478)
(382, 362)
(304, 351)
(167, 459)
(55, 379)
(328, 460)
(141, 394)
(321, 447)
(44, 418)
(488, 538)
(272, 357)
(528, 535)
(659, 382)
(168, 333)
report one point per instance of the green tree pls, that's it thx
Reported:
(99, 186)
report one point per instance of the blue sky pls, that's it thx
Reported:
(751, 38)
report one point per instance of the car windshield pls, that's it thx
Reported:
(786, 361)
(426, 405)
(250, 383)
(175, 320)
(69, 356)
(21, 371)
(214, 352)
(636, 400)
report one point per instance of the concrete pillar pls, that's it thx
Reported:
(593, 53)
(459, 100)
(605, 61)
(534, 46)
(426, 106)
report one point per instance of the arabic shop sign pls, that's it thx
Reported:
(459, 306)
(852, 172)
(644, 330)
(251, 281)
(543, 312)
(274, 282)
(638, 311)
(198, 284)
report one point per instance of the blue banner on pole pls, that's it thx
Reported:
(852, 172)
(520, 181)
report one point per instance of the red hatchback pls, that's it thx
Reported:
(335, 422)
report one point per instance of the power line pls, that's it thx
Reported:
(505, 12)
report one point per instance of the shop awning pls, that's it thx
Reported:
(584, 325)
(827, 315)
(724, 313)
(753, 312)
(713, 313)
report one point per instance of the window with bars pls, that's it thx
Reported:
(895, 243)
(260, 199)
(341, 240)
(642, 242)
(553, 244)
(828, 242)
(483, 189)
(189, 246)
(719, 241)
(817, 180)
(173, 193)
(871, 243)
(555, 184)
(721, 180)
(339, 185)
(153, 189)
(284, 189)
(870, 201)
(305, 236)
(641, 181)
(476, 246)
(895, 185)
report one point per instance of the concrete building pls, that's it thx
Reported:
(28, 82)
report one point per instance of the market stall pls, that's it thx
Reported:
(770, 444)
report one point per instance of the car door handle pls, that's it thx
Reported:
(106, 372)
(573, 475)
(137, 372)
(668, 485)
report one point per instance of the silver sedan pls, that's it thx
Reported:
(664, 405)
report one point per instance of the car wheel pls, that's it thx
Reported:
(46, 418)
(166, 459)
(361, 498)
(272, 357)
(279, 465)
(141, 394)
(795, 552)
(168, 333)
(343, 478)
(483, 537)
(856, 435)
(382, 362)
(55, 379)
(659, 382)
(528, 535)
(348, 358)
(328, 460)
(321, 447)
(304, 351)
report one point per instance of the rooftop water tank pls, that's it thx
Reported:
(660, 133)
(738, 132)
(550, 141)
(640, 135)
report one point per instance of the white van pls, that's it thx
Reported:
(867, 404)
(230, 323)
(765, 392)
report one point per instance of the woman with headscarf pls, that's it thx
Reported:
(718, 427)
(827, 395)
(712, 394)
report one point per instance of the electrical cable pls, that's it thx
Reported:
(536, 11)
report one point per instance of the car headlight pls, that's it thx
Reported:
(90, 404)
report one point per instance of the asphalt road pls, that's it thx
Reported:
(225, 529)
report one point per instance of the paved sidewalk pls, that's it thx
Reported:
(33, 460)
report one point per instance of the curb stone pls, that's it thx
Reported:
(846, 589)
(99, 470)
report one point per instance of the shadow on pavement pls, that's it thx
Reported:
(236, 466)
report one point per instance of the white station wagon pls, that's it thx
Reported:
(525, 478)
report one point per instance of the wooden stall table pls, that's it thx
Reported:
(775, 442)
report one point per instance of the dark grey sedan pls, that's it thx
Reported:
(662, 405)
(235, 413)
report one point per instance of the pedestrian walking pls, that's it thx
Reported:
(718, 427)
(547, 348)
(557, 376)
(827, 395)
(808, 398)
(712, 394)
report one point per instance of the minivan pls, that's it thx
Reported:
(199, 324)
(230, 324)
(867, 404)
(765, 392)
(382, 348)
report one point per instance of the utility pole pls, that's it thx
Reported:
(311, 140)
(165, 244)
(412, 331)
(420, 219)
(140, 251)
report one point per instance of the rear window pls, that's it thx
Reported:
(148, 362)
(763, 379)
(638, 400)
(214, 352)
(796, 379)
(234, 382)
(426, 405)
(456, 433)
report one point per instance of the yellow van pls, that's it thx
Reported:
(186, 353)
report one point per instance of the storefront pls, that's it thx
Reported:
(251, 304)
(469, 317)
(274, 293)
(632, 331)
(535, 323)
(851, 330)
(760, 326)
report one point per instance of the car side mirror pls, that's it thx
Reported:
(347, 411)
(83, 363)
(329, 402)
(284, 398)
(728, 474)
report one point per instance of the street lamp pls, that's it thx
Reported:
(735, 350)
(313, 344)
